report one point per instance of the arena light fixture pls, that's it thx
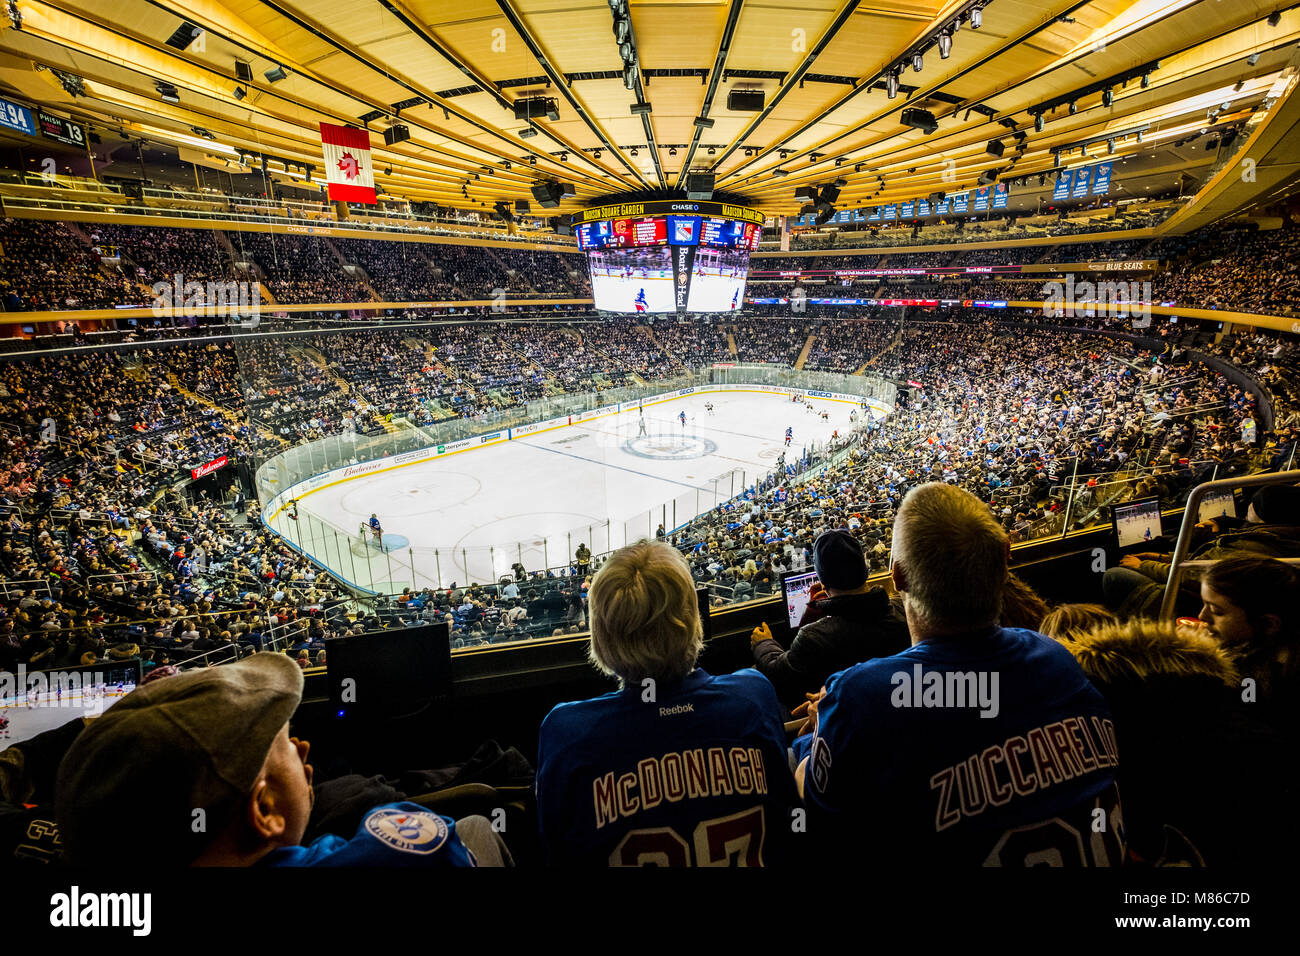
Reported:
(977, 18)
(1039, 123)
(1107, 97)
(891, 85)
(918, 62)
(528, 133)
(945, 44)
(275, 74)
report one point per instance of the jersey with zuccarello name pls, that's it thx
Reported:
(988, 749)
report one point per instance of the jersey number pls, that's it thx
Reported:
(1056, 843)
(736, 840)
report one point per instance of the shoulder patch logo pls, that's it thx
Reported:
(421, 833)
(819, 764)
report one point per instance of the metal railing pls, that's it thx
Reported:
(1178, 563)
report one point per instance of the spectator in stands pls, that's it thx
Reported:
(963, 742)
(1067, 620)
(1251, 606)
(622, 778)
(217, 740)
(1271, 529)
(846, 622)
(1205, 781)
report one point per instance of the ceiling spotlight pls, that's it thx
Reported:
(1139, 136)
(1107, 97)
(1042, 179)
(240, 93)
(1039, 123)
(634, 152)
(1274, 18)
(595, 154)
(712, 151)
(640, 109)
(891, 85)
(672, 151)
(918, 62)
(1252, 59)
(564, 157)
(1110, 146)
(1146, 80)
(1238, 86)
(976, 18)
(1056, 160)
(528, 133)
(388, 170)
(945, 44)
(784, 153)
(276, 74)
(532, 160)
(1074, 107)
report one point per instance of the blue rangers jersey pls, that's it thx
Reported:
(391, 835)
(699, 776)
(992, 748)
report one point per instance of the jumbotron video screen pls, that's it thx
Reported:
(665, 257)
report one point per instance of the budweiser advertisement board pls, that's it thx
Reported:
(215, 465)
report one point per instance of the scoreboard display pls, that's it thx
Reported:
(665, 256)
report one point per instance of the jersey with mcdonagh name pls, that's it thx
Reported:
(700, 776)
(990, 749)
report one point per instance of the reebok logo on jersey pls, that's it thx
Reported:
(678, 709)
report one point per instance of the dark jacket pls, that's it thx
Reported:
(1202, 778)
(1248, 541)
(854, 628)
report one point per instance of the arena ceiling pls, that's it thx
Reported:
(452, 70)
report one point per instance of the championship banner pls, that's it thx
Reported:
(348, 167)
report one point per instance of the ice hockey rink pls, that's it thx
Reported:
(471, 516)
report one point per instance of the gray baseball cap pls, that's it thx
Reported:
(130, 785)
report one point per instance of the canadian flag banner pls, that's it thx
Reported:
(347, 163)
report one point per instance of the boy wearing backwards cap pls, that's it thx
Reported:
(201, 765)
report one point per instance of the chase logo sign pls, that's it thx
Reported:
(419, 833)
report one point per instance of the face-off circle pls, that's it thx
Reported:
(670, 447)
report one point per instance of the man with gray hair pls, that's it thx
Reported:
(977, 745)
(676, 767)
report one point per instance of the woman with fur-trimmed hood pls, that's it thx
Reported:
(1203, 781)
